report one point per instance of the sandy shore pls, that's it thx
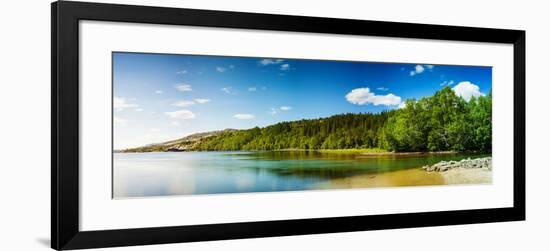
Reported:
(465, 171)
(467, 176)
(412, 177)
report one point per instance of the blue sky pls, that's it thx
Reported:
(159, 97)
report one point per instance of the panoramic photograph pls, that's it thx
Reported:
(197, 124)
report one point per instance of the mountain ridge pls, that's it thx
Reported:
(177, 145)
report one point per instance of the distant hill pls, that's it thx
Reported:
(187, 143)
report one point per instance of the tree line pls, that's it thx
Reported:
(442, 122)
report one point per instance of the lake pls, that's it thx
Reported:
(191, 173)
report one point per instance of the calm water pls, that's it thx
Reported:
(186, 173)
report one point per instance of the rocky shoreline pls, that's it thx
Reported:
(464, 172)
(443, 166)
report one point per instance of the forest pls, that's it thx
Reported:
(442, 122)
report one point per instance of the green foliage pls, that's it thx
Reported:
(345, 131)
(442, 122)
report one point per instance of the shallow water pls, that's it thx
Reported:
(188, 173)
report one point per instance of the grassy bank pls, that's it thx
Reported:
(367, 151)
(354, 151)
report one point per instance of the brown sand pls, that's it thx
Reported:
(412, 177)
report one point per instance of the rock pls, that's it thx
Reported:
(469, 163)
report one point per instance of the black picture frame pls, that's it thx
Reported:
(65, 233)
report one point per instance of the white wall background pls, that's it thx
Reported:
(25, 124)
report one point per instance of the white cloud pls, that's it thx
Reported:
(285, 67)
(226, 90)
(274, 111)
(120, 103)
(251, 89)
(183, 103)
(155, 130)
(267, 61)
(159, 92)
(363, 96)
(382, 89)
(286, 108)
(202, 100)
(447, 83)
(221, 69)
(243, 116)
(184, 88)
(417, 70)
(138, 110)
(182, 72)
(420, 69)
(467, 90)
(175, 123)
(181, 114)
(120, 121)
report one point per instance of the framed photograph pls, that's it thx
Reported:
(177, 125)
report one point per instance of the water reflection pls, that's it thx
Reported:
(186, 173)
